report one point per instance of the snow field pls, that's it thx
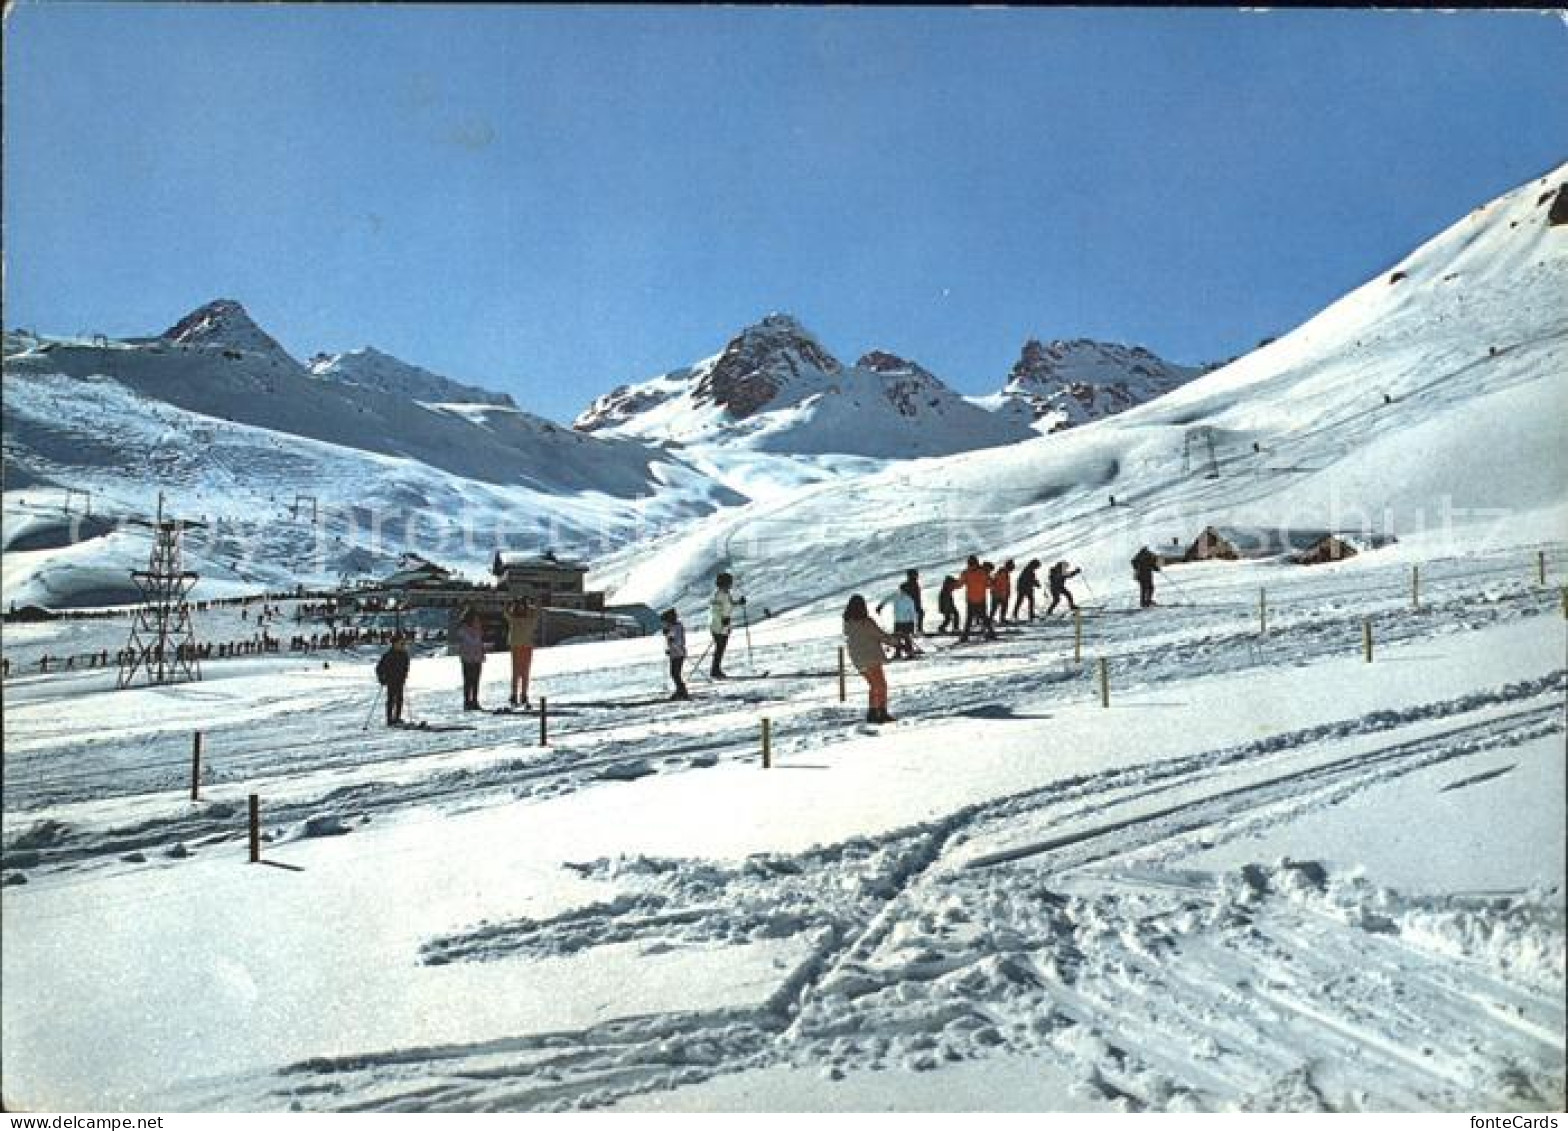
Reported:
(1005, 878)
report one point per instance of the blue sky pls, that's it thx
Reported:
(553, 200)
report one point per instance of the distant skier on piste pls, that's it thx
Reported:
(976, 580)
(1027, 586)
(392, 674)
(864, 641)
(720, 611)
(675, 649)
(947, 606)
(1058, 579)
(1144, 565)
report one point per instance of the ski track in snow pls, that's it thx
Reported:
(596, 739)
(1059, 923)
(1101, 971)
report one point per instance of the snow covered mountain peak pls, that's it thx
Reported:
(1043, 368)
(1067, 382)
(775, 388)
(761, 362)
(370, 368)
(905, 383)
(880, 361)
(224, 323)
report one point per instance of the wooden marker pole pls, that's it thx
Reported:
(255, 829)
(767, 744)
(1540, 566)
(196, 767)
(544, 721)
(1263, 612)
(1105, 683)
(1415, 587)
(843, 685)
(1077, 637)
(1366, 639)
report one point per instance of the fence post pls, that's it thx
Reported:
(1263, 612)
(1077, 637)
(1366, 638)
(1415, 587)
(1105, 683)
(255, 829)
(767, 744)
(544, 721)
(196, 767)
(843, 686)
(1540, 565)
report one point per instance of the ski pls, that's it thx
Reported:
(625, 704)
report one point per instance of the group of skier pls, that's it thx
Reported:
(988, 590)
(721, 613)
(522, 629)
(991, 597)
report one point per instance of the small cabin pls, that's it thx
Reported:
(1211, 544)
(1237, 543)
(1324, 550)
(552, 582)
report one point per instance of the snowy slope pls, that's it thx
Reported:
(1067, 383)
(267, 389)
(568, 492)
(369, 368)
(1146, 907)
(1416, 407)
(229, 426)
(775, 389)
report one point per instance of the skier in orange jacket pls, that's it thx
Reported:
(976, 579)
(1001, 592)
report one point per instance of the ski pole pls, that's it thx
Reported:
(696, 668)
(371, 713)
(745, 623)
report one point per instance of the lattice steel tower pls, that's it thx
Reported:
(162, 644)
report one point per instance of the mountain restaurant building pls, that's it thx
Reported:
(552, 582)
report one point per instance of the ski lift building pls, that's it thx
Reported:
(552, 582)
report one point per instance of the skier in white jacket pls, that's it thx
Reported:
(720, 611)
